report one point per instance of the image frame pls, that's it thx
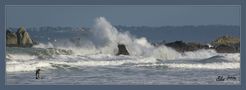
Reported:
(134, 2)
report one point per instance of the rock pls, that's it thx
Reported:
(178, 46)
(226, 40)
(227, 44)
(11, 39)
(182, 46)
(196, 46)
(23, 38)
(225, 49)
(224, 44)
(122, 50)
(19, 39)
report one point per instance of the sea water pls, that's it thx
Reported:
(121, 70)
(92, 61)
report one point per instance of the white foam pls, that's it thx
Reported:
(165, 53)
(32, 64)
(20, 57)
(75, 61)
(104, 38)
(26, 66)
(231, 57)
(107, 62)
(199, 54)
(206, 66)
(42, 45)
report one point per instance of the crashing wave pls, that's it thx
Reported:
(100, 47)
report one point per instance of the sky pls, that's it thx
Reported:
(129, 15)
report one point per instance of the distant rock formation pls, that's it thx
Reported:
(122, 50)
(224, 44)
(19, 39)
(227, 44)
(226, 40)
(182, 46)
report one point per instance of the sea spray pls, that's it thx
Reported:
(103, 38)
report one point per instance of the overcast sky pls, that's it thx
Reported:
(133, 15)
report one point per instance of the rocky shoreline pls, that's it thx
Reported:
(223, 44)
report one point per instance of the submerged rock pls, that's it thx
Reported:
(122, 50)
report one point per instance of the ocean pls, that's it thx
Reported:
(92, 60)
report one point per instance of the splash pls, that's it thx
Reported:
(103, 38)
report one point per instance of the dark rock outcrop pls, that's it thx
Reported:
(227, 44)
(224, 44)
(122, 50)
(225, 49)
(182, 46)
(19, 39)
(226, 40)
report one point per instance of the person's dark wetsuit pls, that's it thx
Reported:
(38, 73)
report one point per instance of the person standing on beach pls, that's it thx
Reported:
(38, 73)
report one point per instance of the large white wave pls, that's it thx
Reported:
(104, 38)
